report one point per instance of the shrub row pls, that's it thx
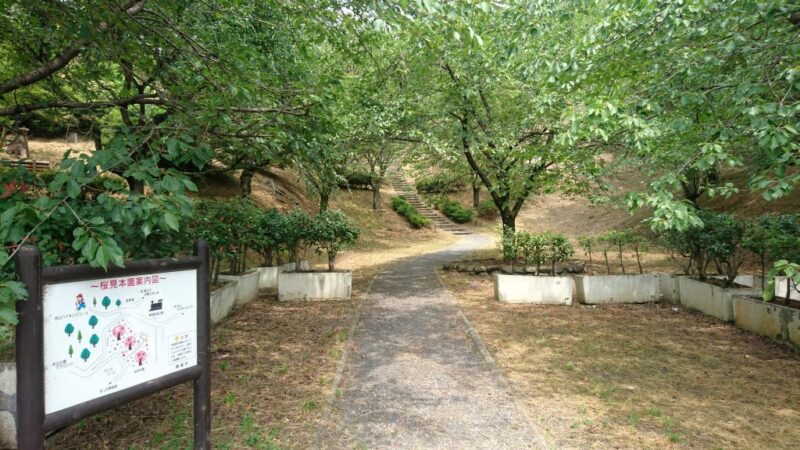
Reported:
(535, 248)
(232, 227)
(455, 211)
(410, 213)
(440, 183)
(614, 240)
(724, 239)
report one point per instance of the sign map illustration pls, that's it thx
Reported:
(105, 335)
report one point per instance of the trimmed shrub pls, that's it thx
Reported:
(229, 227)
(298, 237)
(558, 249)
(331, 232)
(719, 240)
(537, 248)
(357, 180)
(532, 248)
(775, 238)
(270, 235)
(456, 212)
(414, 218)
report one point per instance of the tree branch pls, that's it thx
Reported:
(63, 58)
(145, 99)
(260, 110)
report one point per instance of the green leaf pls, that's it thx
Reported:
(8, 316)
(103, 256)
(171, 220)
(17, 288)
(73, 189)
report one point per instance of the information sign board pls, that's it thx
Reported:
(108, 334)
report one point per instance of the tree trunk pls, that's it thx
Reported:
(331, 261)
(509, 227)
(268, 257)
(476, 191)
(701, 267)
(376, 195)
(608, 267)
(621, 263)
(246, 182)
(324, 199)
(509, 220)
(788, 290)
(97, 135)
(135, 186)
(763, 269)
(638, 260)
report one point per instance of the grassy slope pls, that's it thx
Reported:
(577, 216)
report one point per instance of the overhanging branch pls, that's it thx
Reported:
(146, 99)
(62, 59)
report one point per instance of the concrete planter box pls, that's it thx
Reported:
(767, 319)
(315, 285)
(780, 289)
(247, 286)
(743, 280)
(222, 301)
(8, 405)
(597, 289)
(668, 287)
(290, 267)
(533, 289)
(268, 277)
(710, 299)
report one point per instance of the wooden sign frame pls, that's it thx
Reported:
(32, 422)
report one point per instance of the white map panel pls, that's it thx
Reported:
(105, 335)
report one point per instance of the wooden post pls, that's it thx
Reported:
(30, 351)
(202, 384)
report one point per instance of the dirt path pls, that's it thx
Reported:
(414, 379)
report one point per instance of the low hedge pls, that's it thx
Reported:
(357, 180)
(410, 213)
(456, 212)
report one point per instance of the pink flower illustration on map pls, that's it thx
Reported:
(118, 331)
(140, 356)
(130, 341)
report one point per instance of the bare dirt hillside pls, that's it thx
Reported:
(53, 149)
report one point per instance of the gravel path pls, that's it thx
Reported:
(414, 379)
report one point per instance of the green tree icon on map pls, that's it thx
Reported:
(106, 302)
(94, 340)
(93, 321)
(70, 351)
(85, 354)
(69, 329)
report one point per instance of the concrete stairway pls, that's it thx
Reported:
(406, 191)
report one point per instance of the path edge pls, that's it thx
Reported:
(330, 398)
(497, 374)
